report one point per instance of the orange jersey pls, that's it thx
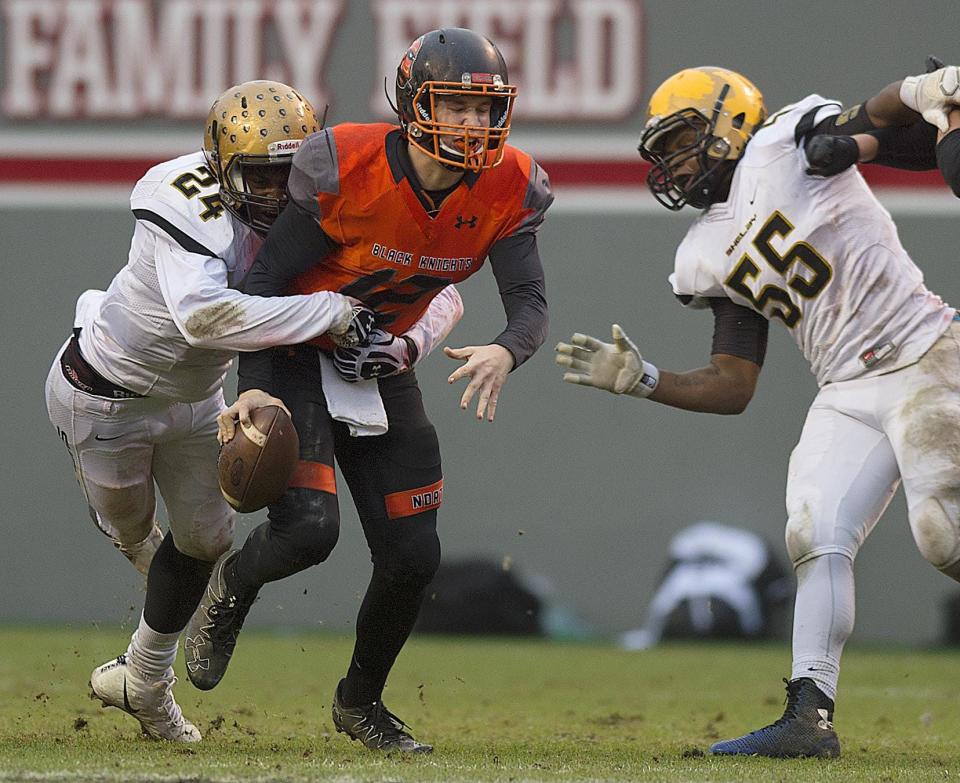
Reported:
(391, 254)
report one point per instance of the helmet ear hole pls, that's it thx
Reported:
(738, 120)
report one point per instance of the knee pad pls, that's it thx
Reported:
(308, 522)
(804, 540)
(937, 536)
(210, 535)
(413, 560)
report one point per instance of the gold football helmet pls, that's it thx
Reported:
(698, 124)
(252, 131)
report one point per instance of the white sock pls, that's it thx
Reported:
(150, 652)
(822, 619)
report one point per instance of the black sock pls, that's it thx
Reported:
(175, 586)
(386, 618)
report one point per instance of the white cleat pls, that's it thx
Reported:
(150, 701)
(141, 554)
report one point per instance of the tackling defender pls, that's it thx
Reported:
(391, 215)
(136, 391)
(823, 257)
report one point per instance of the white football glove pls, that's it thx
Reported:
(385, 355)
(616, 367)
(933, 94)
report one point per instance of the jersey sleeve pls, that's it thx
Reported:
(180, 199)
(693, 281)
(536, 201)
(528, 212)
(315, 170)
(209, 314)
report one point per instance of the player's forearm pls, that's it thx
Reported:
(237, 322)
(885, 109)
(710, 389)
(432, 328)
(516, 265)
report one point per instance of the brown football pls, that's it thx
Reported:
(257, 464)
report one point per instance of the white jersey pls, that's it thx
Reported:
(819, 254)
(171, 321)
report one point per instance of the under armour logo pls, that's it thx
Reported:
(471, 223)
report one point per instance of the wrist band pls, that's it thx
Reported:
(647, 382)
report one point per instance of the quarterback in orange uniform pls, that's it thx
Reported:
(390, 216)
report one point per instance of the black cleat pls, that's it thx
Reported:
(804, 730)
(375, 726)
(212, 633)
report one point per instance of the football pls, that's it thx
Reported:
(257, 464)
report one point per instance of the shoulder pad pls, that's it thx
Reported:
(181, 198)
(315, 169)
(536, 200)
(783, 127)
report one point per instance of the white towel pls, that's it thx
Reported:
(358, 405)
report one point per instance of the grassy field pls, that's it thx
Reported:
(495, 710)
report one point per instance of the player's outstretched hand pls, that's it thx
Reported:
(934, 95)
(246, 403)
(616, 367)
(487, 367)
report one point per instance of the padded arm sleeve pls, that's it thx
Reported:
(738, 331)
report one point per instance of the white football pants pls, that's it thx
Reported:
(860, 439)
(120, 448)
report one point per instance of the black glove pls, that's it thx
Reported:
(934, 63)
(362, 323)
(829, 155)
(385, 355)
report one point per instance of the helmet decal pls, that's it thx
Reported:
(406, 65)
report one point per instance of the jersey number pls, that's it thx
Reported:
(808, 282)
(190, 183)
(407, 291)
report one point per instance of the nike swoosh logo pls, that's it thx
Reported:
(97, 437)
(126, 701)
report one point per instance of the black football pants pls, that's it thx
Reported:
(396, 483)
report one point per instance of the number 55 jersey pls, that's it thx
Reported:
(819, 254)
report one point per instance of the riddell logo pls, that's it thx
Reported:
(283, 147)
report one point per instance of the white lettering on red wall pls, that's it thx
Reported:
(136, 58)
(599, 79)
(133, 59)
